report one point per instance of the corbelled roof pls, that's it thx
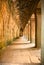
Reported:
(22, 8)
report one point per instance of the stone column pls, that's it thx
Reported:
(28, 32)
(38, 29)
(35, 30)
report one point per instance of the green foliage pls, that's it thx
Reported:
(5, 44)
(9, 42)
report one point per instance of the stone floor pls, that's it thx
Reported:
(21, 43)
(21, 56)
(12, 56)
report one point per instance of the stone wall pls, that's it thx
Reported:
(8, 26)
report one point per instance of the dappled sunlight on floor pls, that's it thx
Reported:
(22, 39)
(17, 54)
(22, 43)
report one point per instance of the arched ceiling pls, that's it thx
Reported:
(23, 8)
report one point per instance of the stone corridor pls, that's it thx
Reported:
(20, 18)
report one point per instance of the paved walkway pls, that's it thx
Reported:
(11, 56)
(22, 43)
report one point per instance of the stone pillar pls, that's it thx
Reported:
(28, 31)
(42, 32)
(37, 29)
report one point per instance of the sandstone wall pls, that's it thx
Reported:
(8, 26)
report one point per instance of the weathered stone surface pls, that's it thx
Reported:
(8, 26)
(23, 8)
(14, 15)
